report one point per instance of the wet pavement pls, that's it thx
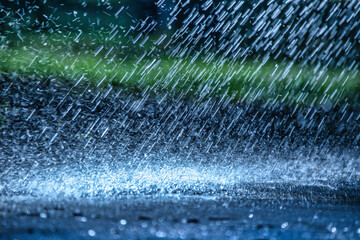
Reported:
(85, 163)
(177, 217)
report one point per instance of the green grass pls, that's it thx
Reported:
(248, 81)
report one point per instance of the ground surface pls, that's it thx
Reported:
(177, 217)
(77, 162)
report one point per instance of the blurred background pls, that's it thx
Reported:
(325, 32)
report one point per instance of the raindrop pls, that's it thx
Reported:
(284, 225)
(91, 233)
(123, 222)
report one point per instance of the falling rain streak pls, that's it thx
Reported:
(230, 112)
(210, 98)
(231, 83)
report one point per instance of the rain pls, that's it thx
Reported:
(180, 119)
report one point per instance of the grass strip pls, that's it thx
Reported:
(266, 82)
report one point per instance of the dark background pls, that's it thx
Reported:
(314, 32)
